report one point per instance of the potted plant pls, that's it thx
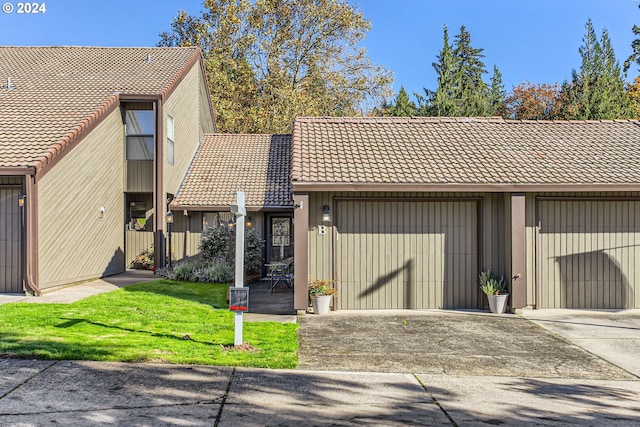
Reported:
(144, 260)
(321, 292)
(495, 290)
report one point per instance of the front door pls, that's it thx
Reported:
(279, 240)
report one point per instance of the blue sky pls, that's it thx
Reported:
(534, 40)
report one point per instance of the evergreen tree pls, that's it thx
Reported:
(597, 90)
(472, 96)
(402, 106)
(497, 94)
(442, 102)
(461, 90)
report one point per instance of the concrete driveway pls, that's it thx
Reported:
(611, 335)
(454, 343)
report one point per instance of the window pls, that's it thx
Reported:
(140, 134)
(170, 140)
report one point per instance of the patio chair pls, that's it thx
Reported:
(280, 273)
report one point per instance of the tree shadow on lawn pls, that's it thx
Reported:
(73, 322)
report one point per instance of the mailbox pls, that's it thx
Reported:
(238, 299)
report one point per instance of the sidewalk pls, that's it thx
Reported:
(75, 293)
(36, 393)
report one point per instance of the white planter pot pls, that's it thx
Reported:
(498, 303)
(321, 304)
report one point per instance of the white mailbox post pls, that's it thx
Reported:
(240, 211)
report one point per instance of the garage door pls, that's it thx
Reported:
(407, 254)
(589, 254)
(10, 240)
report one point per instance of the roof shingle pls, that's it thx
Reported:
(464, 151)
(56, 92)
(259, 165)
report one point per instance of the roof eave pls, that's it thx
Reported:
(225, 208)
(485, 188)
(15, 171)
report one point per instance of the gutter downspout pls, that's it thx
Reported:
(31, 236)
(159, 245)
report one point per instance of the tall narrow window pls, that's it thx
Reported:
(140, 133)
(170, 139)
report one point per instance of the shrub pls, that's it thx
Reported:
(214, 246)
(253, 251)
(184, 272)
(219, 272)
(214, 243)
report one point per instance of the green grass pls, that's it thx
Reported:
(160, 321)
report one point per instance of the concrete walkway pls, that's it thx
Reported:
(37, 393)
(387, 368)
(611, 335)
(75, 293)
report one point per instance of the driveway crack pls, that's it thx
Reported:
(28, 379)
(224, 398)
(437, 403)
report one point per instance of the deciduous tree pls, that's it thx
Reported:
(529, 101)
(272, 60)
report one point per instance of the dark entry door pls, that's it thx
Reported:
(279, 240)
(11, 246)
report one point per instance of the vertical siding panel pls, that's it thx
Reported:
(70, 195)
(11, 246)
(421, 265)
(633, 298)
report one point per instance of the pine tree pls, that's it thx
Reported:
(497, 94)
(442, 102)
(402, 105)
(597, 90)
(472, 94)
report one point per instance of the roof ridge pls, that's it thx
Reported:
(452, 119)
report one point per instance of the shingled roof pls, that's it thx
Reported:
(259, 165)
(467, 152)
(50, 95)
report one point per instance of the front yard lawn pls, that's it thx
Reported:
(160, 321)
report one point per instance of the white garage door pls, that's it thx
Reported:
(589, 254)
(407, 254)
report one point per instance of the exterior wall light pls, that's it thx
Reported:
(249, 222)
(169, 217)
(326, 217)
(21, 200)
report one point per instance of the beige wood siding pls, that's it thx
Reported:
(407, 254)
(11, 240)
(588, 254)
(139, 177)
(207, 123)
(75, 241)
(186, 119)
(137, 241)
